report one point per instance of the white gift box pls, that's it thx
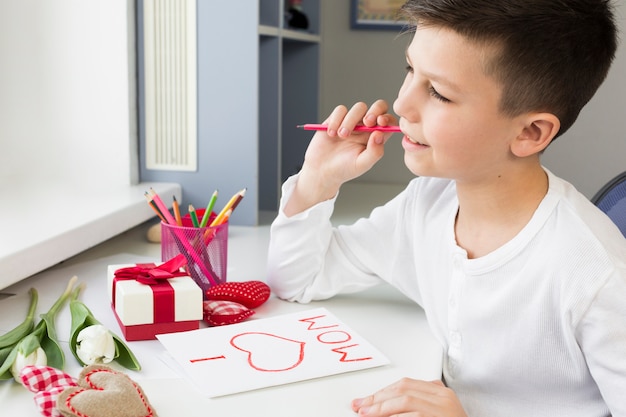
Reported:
(178, 305)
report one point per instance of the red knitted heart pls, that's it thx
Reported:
(250, 294)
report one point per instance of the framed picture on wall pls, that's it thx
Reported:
(376, 14)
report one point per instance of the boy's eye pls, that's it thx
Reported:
(409, 69)
(436, 95)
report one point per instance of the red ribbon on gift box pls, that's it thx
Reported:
(156, 277)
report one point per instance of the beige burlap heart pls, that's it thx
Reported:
(104, 392)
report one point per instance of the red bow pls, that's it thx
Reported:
(151, 274)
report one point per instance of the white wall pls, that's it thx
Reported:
(366, 65)
(64, 100)
(362, 65)
(594, 150)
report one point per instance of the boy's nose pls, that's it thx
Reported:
(406, 105)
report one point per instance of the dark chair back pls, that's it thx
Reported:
(611, 199)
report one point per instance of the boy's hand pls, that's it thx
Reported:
(410, 397)
(339, 154)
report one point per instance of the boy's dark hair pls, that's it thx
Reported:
(553, 54)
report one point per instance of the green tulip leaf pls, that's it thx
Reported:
(43, 334)
(4, 353)
(124, 356)
(49, 342)
(5, 369)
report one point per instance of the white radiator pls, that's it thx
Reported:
(170, 84)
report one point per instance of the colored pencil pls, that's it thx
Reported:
(154, 207)
(316, 126)
(164, 210)
(179, 220)
(194, 216)
(233, 202)
(226, 216)
(209, 208)
(238, 199)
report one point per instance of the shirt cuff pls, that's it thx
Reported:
(320, 210)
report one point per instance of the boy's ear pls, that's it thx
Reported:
(538, 131)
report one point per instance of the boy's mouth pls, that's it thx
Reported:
(415, 141)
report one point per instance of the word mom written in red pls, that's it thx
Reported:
(334, 337)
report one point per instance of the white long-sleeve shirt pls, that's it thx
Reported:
(535, 328)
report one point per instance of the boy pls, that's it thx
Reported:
(522, 279)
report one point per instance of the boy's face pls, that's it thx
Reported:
(448, 110)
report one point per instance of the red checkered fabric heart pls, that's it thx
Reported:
(222, 312)
(46, 401)
(250, 294)
(47, 383)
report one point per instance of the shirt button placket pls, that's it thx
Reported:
(454, 335)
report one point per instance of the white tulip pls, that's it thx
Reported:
(35, 357)
(95, 344)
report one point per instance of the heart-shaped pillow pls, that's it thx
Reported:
(222, 312)
(104, 392)
(250, 294)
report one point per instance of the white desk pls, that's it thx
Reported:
(392, 323)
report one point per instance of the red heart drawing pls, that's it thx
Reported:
(271, 353)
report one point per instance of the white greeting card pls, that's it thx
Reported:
(267, 352)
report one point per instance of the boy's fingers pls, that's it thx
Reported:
(386, 120)
(342, 121)
(335, 119)
(374, 150)
(352, 118)
(378, 108)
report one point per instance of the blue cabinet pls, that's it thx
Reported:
(257, 79)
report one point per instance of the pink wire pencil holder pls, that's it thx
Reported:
(204, 248)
